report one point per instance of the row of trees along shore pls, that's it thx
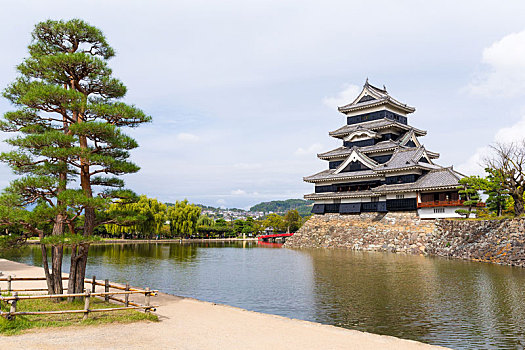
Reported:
(148, 218)
(68, 148)
(503, 185)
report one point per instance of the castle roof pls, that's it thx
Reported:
(372, 96)
(407, 157)
(436, 179)
(343, 151)
(328, 175)
(374, 125)
(382, 146)
(441, 178)
(403, 158)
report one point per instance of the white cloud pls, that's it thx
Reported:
(506, 72)
(187, 137)
(512, 133)
(344, 97)
(312, 150)
(247, 166)
(238, 192)
(474, 165)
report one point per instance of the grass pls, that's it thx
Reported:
(22, 323)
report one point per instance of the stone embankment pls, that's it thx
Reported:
(498, 241)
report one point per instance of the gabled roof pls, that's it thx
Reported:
(343, 151)
(359, 133)
(407, 137)
(382, 146)
(374, 125)
(356, 155)
(406, 157)
(372, 96)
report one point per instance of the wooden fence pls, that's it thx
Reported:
(107, 295)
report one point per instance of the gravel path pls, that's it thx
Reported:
(191, 324)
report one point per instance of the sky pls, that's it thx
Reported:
(243, 93)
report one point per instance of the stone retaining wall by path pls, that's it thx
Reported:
(498, 241)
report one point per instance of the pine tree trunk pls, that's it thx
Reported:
(81, 267)
(71, 284)
(77, 273)
(56, 267)
(57, 252)
(49, 278)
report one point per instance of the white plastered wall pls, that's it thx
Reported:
(431, 213)
(405, 195)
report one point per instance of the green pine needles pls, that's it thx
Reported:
(68, 144)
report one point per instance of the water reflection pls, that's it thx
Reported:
(453, 303)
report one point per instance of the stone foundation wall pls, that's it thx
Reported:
(393, 232)
(497, 241)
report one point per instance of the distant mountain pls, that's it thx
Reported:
(304, 207)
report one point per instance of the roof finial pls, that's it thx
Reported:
(384, 87)
(366, 82)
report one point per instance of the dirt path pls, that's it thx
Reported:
(192, 324)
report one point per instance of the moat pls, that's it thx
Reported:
(453, 303)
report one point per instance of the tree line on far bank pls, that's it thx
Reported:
(148, 218)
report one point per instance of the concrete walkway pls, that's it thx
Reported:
(191, 324)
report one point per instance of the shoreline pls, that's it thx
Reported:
(167, 240)
(187, 323)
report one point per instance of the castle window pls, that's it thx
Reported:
(374, 199)
(400, 196)
(439, 210)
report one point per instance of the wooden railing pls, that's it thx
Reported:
(454, 203)
(108, 295)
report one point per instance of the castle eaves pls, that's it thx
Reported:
(374, 125)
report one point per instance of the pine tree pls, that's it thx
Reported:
(497, 194)
(469, 194)
(68, 125)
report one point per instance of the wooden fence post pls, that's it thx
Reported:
(106, 289)
(12, 309)
(147, 297)
(93, 284)
(9, 284)
(126, 297)
(86, 304)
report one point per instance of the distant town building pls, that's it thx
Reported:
(382, 166)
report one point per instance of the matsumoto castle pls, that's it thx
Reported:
(382, 166)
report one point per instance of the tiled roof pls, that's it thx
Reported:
(380, 96)
(326, 175)
(442, 178)
(373, 125)
(343, 151)
(331, 195)
(435, 179)
(403, 158)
